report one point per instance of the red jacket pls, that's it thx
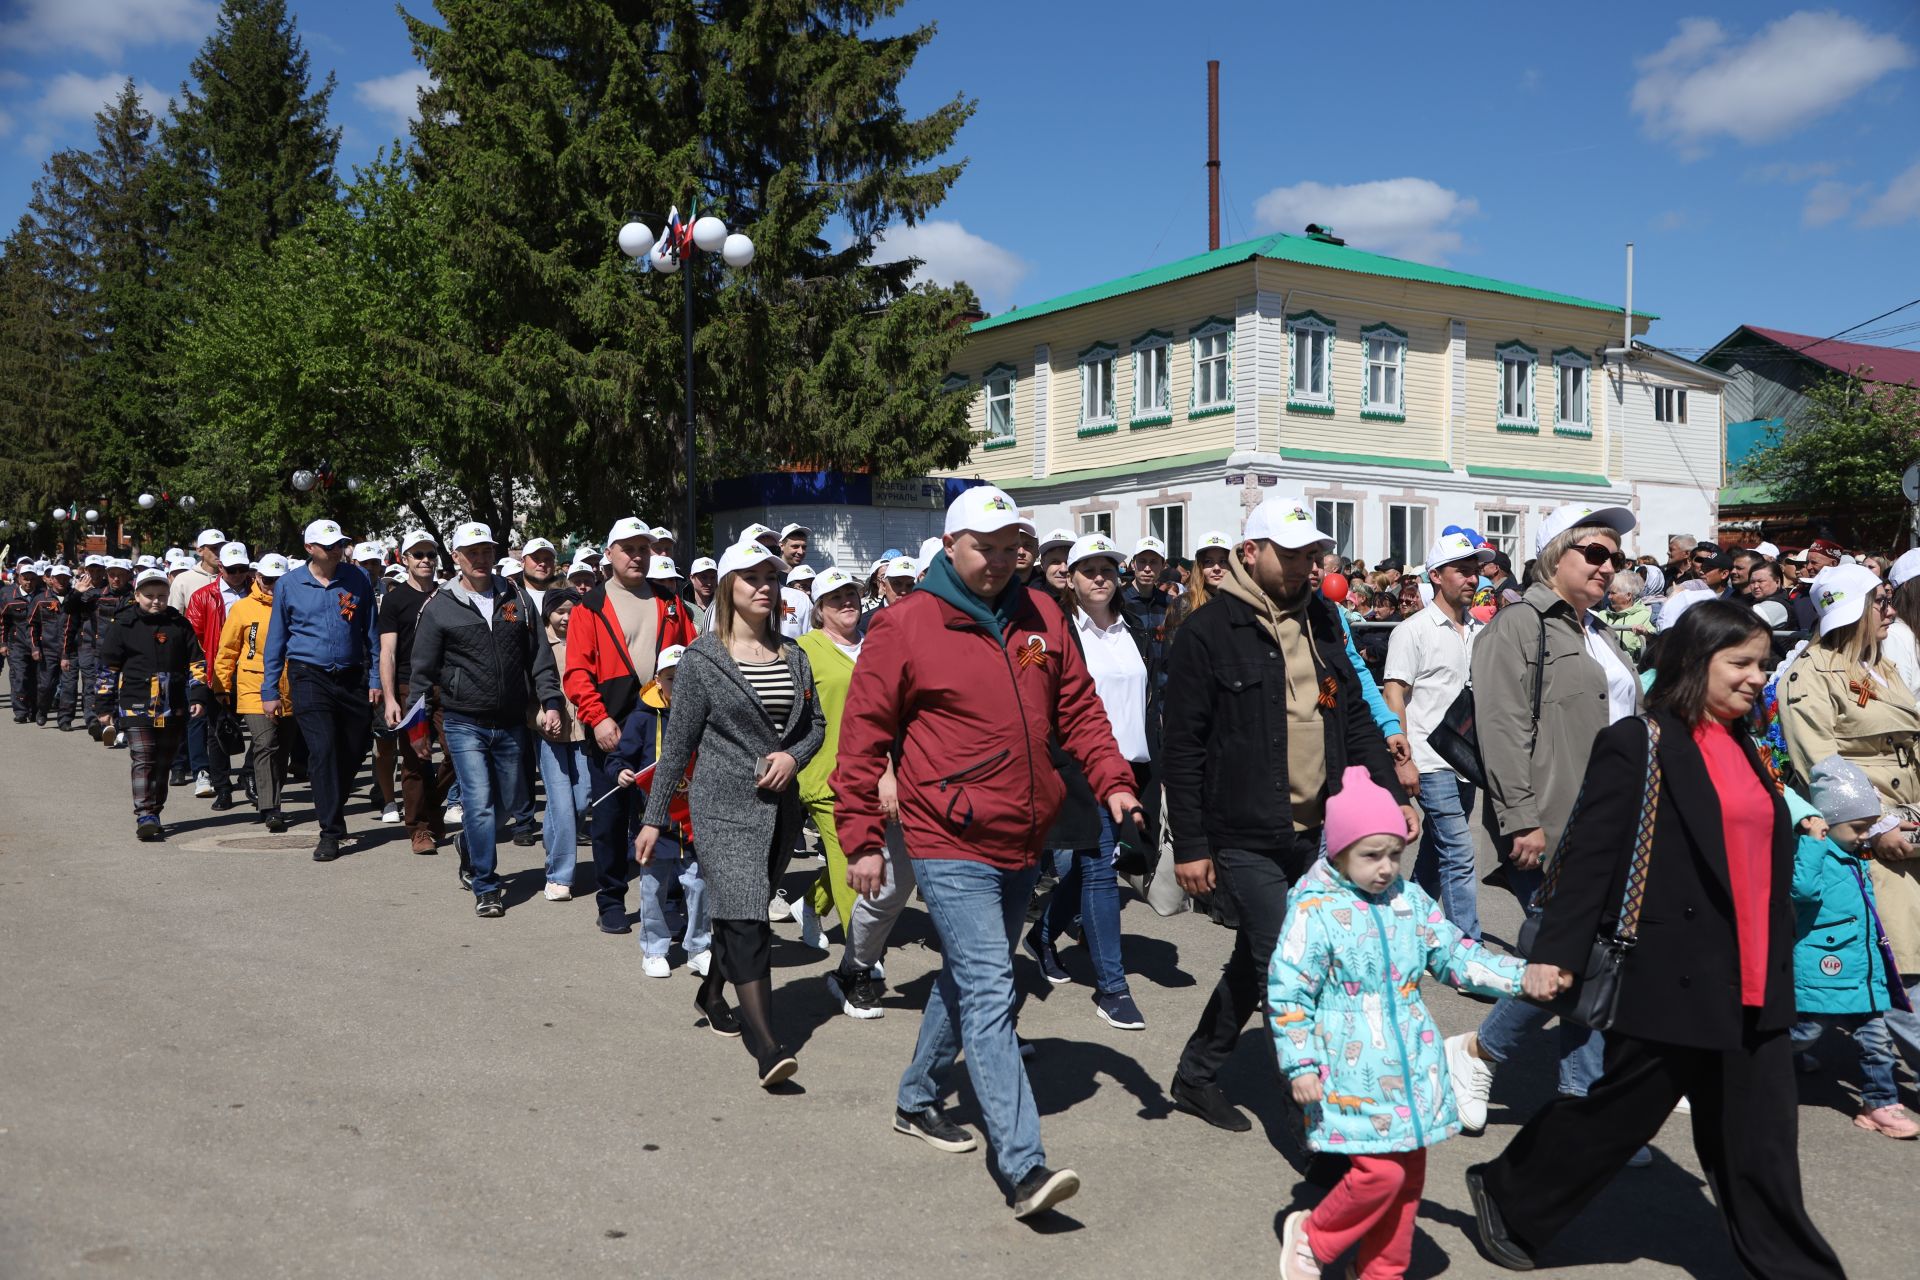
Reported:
(597, 650)
(207, 614)
(968, 723)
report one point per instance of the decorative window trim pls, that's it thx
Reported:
(1368, 409)
(1297, 401)
(1004, 442)
(1151, 420)
(1212, 326)
(1502, 355)
(1098, 352)
(955, 382)
(993, 374)
(1152, 340)
(1573, 358)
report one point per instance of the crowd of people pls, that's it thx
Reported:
(1705, 769)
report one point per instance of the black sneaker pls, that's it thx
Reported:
(276, 821)
(721, 1019)
(466, 866)
(222, 802)
(932, 1127)
(1118, 1010)
(1209, 1102)
(857, 993)
(327, 850)
(1044, 955)
(179, 778)
(1042, 1189)
(147, 829)
(776, 1066)
(488, 905)
(1491, 1229)
(526, 836)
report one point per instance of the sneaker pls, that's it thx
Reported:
(452, 816)
(699, 962)
(777, 1067)
(1472, 1084)
(1044, 955)
(222, 802)
(811, 932)
(326, 850)
(466, 879)
(179, 778)
(1042, 1189)
(424, 843)
(202, 783)
(1296, 1254)
(931, 1126)
(556, 892)
(391, 813)
(275, 820)
(1890, 1121)
(1209, 1102)
(879, 971)
(780, 908)
(488, 905)
(1117, 1009)
(147, 828)
(526, 836)
(615, 921)
(656, 967)
(857, 995)
(109, 736)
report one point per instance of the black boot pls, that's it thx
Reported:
(774, 1063)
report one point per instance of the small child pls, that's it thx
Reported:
(1355, 1038)
(152, 677)
(1842, 975)
(673, 856)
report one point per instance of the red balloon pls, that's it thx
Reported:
(1334, 587)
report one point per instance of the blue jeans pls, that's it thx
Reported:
(563, 770)
(656, 931)
(1513, 1020)
(487, 762)
(1089, 889)
(1871, 1041)
(1904, 1027)
(1444, 865)
(977, 910)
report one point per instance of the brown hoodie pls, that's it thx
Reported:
(1306, 749)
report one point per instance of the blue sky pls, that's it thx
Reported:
(1755, 152)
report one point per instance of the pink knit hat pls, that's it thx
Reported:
(1361, 808)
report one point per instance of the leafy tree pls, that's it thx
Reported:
(1845, 452)
(40, 352)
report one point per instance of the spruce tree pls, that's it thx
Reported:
(41, 351)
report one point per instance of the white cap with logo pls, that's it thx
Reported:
(787, 531)
(272, 565)
(1213, 538)
(662, 534)
(662, 567)
(365, 551)
(1573, 515)
(1150, 544)
(668, 658)
(1905, 569)
(1056, 538)
(744, 555)
(209, 538)
(985, 509)
(535, 546)
(471, 534)
(757, 533)
(629, 527)
(1456, 546)
(509, 567)
(1285, 522)
(234, 556)
(704, 563)
(324, 533)
(830, 580)
(1093, 546)
(417, 537)
(798, 574)
(1840, 594)
(149, 575)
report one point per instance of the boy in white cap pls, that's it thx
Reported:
(17, 600)
(796, 603)
(58, 640)
(152, 680)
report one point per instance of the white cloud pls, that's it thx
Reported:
(71, 98)
(1402, 217)
(105, 28)
(1803, 66)
(1828, 202)
(1900, 202)
(396, 96)
(949, 252)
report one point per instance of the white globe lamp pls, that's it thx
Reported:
(146, 501)
(303, 480)
(636, 239)
(59, 513)
(709, 233)
(93, 515)
(736, 250)
(665, 263)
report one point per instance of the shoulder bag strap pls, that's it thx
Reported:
(618, 641)
(1635, 895)
(1539, 681)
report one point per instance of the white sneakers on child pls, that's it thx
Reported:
(559, 892)
(1472, 1083)
(656, 967)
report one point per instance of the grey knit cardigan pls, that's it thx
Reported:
(743, 834)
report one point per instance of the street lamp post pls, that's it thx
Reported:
(670, 253)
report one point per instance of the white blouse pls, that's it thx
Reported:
(1120, 678)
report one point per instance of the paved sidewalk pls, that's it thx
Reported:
(224, 1059)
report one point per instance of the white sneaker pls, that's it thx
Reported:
(1472, 1084)
(559, 892)
(203, 784)
(811, 933)
(700, 962)
(656, 967)
(452, 816)
(879, 971)
(391, 813)
(779, 908)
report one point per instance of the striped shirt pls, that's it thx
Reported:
(774, 684)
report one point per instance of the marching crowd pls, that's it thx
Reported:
(1699, 776)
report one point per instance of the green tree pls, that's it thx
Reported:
(40, 351)
(1845, 452)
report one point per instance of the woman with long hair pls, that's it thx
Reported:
(1900, 642)
(1209, 571)
(745, 710)
(1706, 995)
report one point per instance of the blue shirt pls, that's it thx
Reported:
(329, 626)
(1369, 688)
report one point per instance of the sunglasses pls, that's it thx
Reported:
(1596, 555)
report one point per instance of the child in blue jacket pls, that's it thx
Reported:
(1354, 1036)
(673, 857)
(1843, 976)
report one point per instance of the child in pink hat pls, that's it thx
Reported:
(1355, 1038)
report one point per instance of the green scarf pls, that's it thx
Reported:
(996, 617)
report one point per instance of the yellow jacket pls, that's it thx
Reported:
(241, 663)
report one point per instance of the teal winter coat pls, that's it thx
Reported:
(1839, 965)
(1344, 989)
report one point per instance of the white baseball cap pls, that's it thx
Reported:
(1767, 549)
(586, 552)
(985, 509)
(24, 562)
(93, 562)
(1150, 543)
(125, 566)
(149, 575)
(414, 537)
(471, 534)
(755, 532)
(175, 564)
(1574, 514)
(508, 567)
(629, 527)
(1773, 613)
(272, 565)
(1286, 522)
(662, 534)
(1905, 569)
(537, 544)
(928, 550)
(1689, 595)
(703, 564)
(324, 533)
(662, 567)
(1453, 547)
(234, 556)
(395, 571)
(1840, 593)
(903, 567)
(209, 538)
(579, 567)
(1056, 538)
(798, 574)
(787, 531)
(368, 551)
(744, 555)
(148, 562)
(668, 658)
(830, 580)
(61, 571)
(1094, 545)
(1213, 538)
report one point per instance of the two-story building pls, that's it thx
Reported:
(1398, 398)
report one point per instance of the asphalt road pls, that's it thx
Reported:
(219, 1058)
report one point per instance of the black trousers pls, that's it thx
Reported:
(336, 719)
(57, 690)
(23, 680)
(1745, 1131)
(1252, 884)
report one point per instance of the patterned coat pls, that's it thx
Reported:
(1344, 989)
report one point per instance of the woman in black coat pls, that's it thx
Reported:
(1706, 993)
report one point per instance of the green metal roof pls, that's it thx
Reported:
(1307, 252)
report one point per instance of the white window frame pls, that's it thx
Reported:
(1010, 376)
(1412, 548)
(1337, 509)
(1100, 522)
(1168, 522)
(1096, 374)
(1150, 349)
(1507, 540)
(1205, 334)
(1670, 405)
(1395, 362)
(1310, 322)
(1567, 363)
(1510, 357)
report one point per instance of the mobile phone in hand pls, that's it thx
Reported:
(760, 773)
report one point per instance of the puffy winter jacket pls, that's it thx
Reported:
(1344, 990)
(1839, 965)
(151, 666)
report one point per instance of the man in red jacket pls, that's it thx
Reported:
(961, 684)
(207, 614)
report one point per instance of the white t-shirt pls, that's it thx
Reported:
(1621, 685)
(1900, 651)
(796, 612)
(1428, 654)
(1120, 678)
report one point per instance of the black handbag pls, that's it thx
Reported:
(1594, 998)
(1456, 740)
